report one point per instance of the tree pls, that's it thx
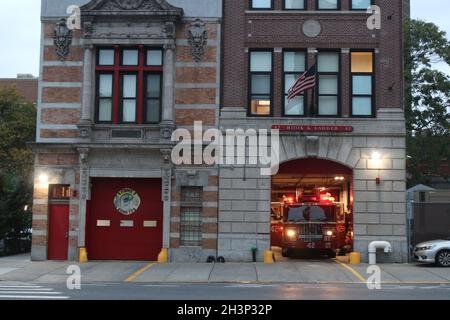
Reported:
(427, 98)
(17, 128)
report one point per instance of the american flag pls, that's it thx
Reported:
(306, 81)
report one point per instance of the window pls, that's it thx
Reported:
(153, 98)
(294, 4)
(260, 83)
(129, 98)
(328, 4)
(294, 66)
(105, 97)
(129, 86)
(191, 216)
(362, 84)
(328, 66)
(361, 4)
(261, 4)
(59, 192)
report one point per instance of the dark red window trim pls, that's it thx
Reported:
(118, 69)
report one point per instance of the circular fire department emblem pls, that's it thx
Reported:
(127, 201)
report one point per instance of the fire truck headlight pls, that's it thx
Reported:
(329, 233)
(291, 233)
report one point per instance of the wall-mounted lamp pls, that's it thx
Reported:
(376, 157)
(43, 178)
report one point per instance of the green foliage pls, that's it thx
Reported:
(427, 98)
(17, 128)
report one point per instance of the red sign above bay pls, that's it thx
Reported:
(299, 128)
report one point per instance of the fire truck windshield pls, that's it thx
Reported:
(313, 213)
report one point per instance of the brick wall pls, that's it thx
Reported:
(340, 29)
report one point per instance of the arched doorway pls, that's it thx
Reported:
(312, 208)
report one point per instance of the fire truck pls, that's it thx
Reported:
(313, 222)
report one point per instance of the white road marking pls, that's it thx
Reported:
(33, 297)
(25, 289)
(6, 270)
(162, 285)
(29, 287)
(30, 292)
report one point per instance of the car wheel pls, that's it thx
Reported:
(286, 253)
(331, 254)
(443, 258)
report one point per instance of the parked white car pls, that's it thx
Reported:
(437, 251)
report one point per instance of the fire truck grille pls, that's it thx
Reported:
(310, 232)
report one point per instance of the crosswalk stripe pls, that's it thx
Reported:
(27, 289)
(29, 292)
(32, 297)
(30, 287)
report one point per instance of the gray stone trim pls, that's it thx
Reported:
(61, 106)
(40, 217)
(40, 232)
(196, 64)
(49, 42)
(62, 64)
(197, 85)
(196, 106)
(61, 84)
(59, 127)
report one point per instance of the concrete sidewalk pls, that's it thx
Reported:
(317, 271)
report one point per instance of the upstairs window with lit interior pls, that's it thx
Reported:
(260, 83)
(129, 85)
(362, 69)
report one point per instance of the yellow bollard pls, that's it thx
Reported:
(268, 257)
(163, 256)
(83, 257)
(355, 258)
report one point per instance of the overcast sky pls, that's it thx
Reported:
(20, 31)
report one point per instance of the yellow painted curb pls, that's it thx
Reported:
(355, 258)
(163, 256)
(139, 272)
(83, 257)
(353, 271)
(268, 257)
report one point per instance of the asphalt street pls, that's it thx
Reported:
(223, 292)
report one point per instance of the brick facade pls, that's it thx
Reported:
(72, 148)
(244, 195)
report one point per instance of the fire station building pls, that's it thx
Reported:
(112, 92)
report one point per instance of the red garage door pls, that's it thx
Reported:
(124, 219)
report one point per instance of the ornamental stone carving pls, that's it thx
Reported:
(198, 38)
(62, 39)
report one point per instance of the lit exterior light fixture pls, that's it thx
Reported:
(43, 178)
(376, 155)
